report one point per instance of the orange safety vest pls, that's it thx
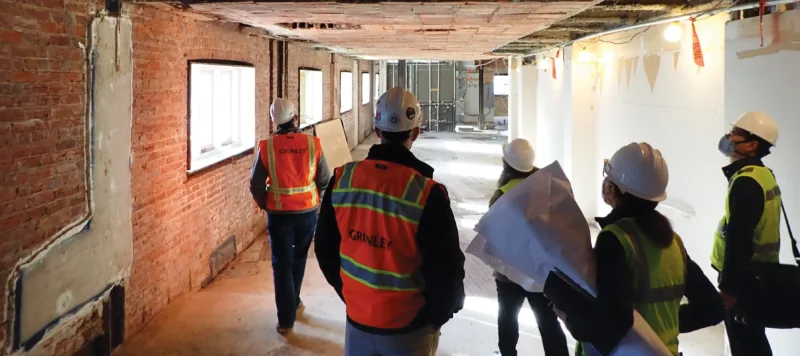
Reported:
(378, 205)
(291, 160)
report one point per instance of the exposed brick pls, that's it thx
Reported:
(165, 199)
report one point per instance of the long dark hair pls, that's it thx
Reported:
(653, 224)
(510, 174)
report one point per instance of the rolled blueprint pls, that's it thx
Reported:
(537, 228)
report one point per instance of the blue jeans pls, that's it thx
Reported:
(422, 342)
(289, 237)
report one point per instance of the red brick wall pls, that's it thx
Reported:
(42, 127)
(366, 114)
(179, 219)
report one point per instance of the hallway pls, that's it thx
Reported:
(235, 314)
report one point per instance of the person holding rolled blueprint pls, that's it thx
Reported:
(641, 261)
(518, 158)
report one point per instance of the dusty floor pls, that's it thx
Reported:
(235, 315)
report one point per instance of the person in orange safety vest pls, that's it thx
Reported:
(293, 167)
(387, 241)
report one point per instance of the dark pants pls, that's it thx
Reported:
(289, 237)
(746, 340)
(510, 296)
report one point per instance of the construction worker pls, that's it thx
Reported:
(518, 158)
(641, 261)
(387, 241)
(288, 176)
(750, 229)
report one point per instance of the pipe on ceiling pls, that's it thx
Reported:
(667, 20)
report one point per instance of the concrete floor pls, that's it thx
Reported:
(235, 315)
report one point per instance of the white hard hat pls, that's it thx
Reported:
(759, 124)
(640, 170)
(398, 111)
(519, 154)
(282, 111)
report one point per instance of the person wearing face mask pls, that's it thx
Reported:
(750, 229)
(641, 261)
(518, 158)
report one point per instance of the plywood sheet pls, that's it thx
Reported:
(334, 143)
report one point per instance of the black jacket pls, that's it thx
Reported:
(746, 205)
(615, 294)
(437, 239)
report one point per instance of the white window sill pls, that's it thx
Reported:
(216, 157)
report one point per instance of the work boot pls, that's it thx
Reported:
(283, 330)
(300, 307)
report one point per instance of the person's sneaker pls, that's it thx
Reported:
(283, 329)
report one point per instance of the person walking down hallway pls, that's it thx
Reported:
(288, 176)
(387, 241)
(642, 264)
(518, 158)
(750, 229)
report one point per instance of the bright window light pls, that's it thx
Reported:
(377, 86)
(500, 84)
(221, 112)
(310, 96)
(365, 88)
(346, 92)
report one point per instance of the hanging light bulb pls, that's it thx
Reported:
(544, 64)
(674, 32)
(585, 56)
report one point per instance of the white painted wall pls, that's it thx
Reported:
(765, 79)
(528, 102)
(648, 89)
(553, 110)
(651, 90)
(513, 99)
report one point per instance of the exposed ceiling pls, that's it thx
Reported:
(455, 30)
(607, 15)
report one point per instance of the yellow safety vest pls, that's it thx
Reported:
(511, 184)
(766, 237)
(659, 276)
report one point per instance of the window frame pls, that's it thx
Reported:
(341, 92)
(369, 91)
(377, 87)
(494, 87)
(302, 124)
(245, 141)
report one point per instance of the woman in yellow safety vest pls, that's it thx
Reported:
(517, 165)
(641, 261)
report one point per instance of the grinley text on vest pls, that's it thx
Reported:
(372, 240)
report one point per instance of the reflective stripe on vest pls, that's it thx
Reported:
(378, 279)
(766, 236)
(276, 191)
(660, 277)
(511, 184)
(378, 206)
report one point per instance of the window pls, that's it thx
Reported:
(377, 86)
(222, 107)
(501, 84)
(365, 88)
(310, 96)
(346, 92)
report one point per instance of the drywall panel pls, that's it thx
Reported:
(77, 268)
(334, 143)
(766, 79)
